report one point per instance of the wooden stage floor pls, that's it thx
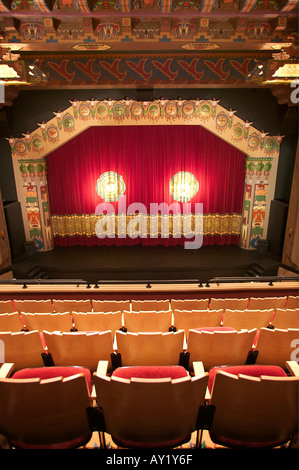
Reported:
(144, 263)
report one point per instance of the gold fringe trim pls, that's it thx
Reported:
(85, 225)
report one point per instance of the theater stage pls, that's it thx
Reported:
(144, 263)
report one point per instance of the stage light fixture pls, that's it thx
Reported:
(183, 186)
(110, 186)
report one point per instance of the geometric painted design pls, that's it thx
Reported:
(163, 69)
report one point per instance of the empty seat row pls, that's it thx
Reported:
(155, 395)
(150, 321)
(36, 411)
(60, 306)
(35, 349)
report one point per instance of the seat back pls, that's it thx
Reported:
(264, 303)
(188, 320)
(286, 318)
(227, 303)
(34, 306)
(149, 305)
(247, 319)
(24, 349)
(6, 306)
(44, 412)
(151, 411)
(48, 321)
(61, 306)
(110, 305)
(292, 301)
(96, 321)
(254, 409)
(147, 321)
(79, 348)
(189, 304)
(149, 349)
(275, 347)
(220, 348)
(10, 322)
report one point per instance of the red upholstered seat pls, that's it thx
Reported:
(234, 444)
(74, 444)
(51, 372)
(150, 372)
(251, 370)
(154, 445)
(45, 373)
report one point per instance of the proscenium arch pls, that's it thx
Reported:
(29, 155)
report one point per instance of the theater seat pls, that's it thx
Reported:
(10, 322)
(155, 413)
(147, 321)
(253, 412)
(97, 321)
(149, 305)
(266, 303)
(189, 304)
(24, 349)
(292, 301)
(45, 414)
(44, 373)
(227, 303)
(247, 319)
(48, 321)
(110, 305)
(275, 347)
(61, 306)
(6, 306)
(148, 349)
(286, 318)
(218, 348)
(34, 306)
(79, 348)
(253, 370)
(192, 319)
(150, 372)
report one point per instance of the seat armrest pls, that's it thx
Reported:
(102, 368)
(198, 368)
(293, 367)
(6, 369)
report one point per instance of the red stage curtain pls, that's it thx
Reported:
(147, 157)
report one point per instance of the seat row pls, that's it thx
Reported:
(148, 399)
(211, 348)
(60, 306)
(150, 321)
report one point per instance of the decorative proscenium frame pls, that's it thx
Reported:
(30, 166)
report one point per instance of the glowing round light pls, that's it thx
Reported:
(110, 186)
(183, 186)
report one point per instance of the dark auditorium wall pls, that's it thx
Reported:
(255, 104)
